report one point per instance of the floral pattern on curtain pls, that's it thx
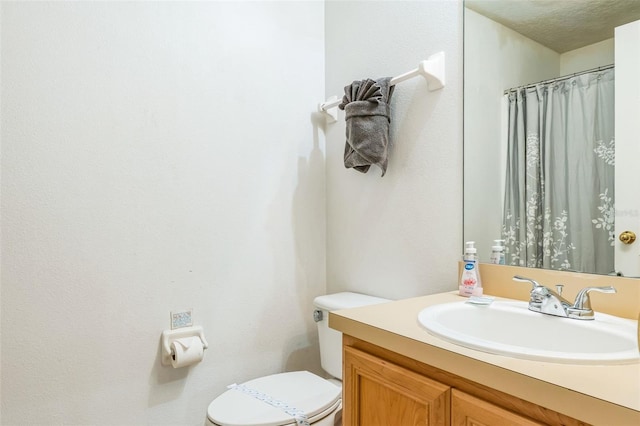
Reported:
(559, 193)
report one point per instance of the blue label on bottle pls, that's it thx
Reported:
(469, 266)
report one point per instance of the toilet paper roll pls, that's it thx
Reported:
(186, 351)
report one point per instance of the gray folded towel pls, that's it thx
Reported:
(366, 106)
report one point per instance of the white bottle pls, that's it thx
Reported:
(470, 283)
(497, 252)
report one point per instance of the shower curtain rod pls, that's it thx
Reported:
(557, 79)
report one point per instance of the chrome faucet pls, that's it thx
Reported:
(547, 301)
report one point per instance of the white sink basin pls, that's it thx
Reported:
(510, 328)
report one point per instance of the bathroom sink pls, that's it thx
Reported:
(509, 328)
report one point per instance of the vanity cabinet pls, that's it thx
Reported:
(381, 393)
(384, 388)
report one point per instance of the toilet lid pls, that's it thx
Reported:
(299, 391)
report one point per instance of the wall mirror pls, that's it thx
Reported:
(542, 143)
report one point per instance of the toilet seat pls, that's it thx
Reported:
(302, 390)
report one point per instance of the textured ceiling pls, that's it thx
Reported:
(561, 25)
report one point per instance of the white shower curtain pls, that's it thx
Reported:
(559, 190)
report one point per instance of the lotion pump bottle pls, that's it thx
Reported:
(497, 252)
(470, 283)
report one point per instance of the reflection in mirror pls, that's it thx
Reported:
(559, 186)
(539, 130)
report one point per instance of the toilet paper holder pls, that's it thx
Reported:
(169, 336)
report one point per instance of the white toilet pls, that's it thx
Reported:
(299, 397)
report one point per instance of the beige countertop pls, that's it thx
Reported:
(597, 394)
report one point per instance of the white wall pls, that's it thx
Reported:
(155, 156)
(588, 57)
(399, 235)
(496, 58)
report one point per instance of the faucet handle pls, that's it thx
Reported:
(534, 283)
(538, 292)
(583, 301)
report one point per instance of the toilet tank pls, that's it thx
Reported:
(331, 340)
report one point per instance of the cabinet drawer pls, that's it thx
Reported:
(467, 410)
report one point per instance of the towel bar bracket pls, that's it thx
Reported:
(330, 108)
(433, 71)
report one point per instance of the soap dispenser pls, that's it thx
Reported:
(497, 252)
(470, 283)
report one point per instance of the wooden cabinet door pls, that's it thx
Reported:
(467, 410)
(379, 393)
